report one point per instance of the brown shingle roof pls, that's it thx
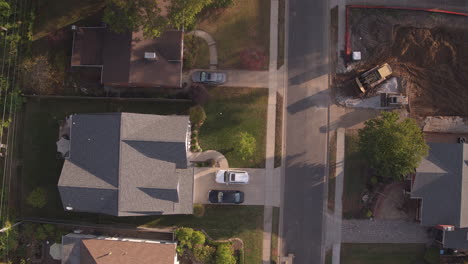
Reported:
(98, 251)
(87, 46)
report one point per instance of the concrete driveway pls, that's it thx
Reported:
(205, 181)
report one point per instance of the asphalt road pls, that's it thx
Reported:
(306, 118)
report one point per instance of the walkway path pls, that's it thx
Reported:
(339, 181)
(251, 79)
(272, 176)
(211, 45)
(383, 231)
(207, 155)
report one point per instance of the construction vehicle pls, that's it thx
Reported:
(393, 100)
(373, 77)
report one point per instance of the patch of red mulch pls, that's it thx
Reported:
(253, 59)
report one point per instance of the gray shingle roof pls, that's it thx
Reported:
(441, 182)
(128, 164)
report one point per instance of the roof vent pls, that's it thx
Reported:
(69, 208)
(151, 56)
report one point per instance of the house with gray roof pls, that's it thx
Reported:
(441, 186)
(127, 164)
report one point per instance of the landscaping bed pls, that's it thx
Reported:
(242, 34)
(229, 112)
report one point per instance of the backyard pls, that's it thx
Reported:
(355, 179)
(383, 253)
(242, 34)
(223, 222)
(231, 111)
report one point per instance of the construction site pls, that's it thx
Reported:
(418, 57)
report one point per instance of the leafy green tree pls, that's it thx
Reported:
(128, 16)
(37, 198)
(8, 239)
(189, 238)
(204, 254)
(183, 13)
(246, 145)
(393, 148)
(224, 254)
(5, 9)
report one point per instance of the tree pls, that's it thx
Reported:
(183, 13)
(8, 239)
(224, 254)
(5, 10)
(37, 198)
(393, 148)
(246, 145)
(189, 238)
(128, 16)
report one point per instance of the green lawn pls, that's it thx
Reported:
(355, 177)
(40, 165)
(223, 222)
(241, 28)
(382, 253)
(52, 15)
(231, 111)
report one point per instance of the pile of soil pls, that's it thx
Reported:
(428, 52)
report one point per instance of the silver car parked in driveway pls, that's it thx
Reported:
(213, 78)
(232, 177)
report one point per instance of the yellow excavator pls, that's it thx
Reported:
(373, 77)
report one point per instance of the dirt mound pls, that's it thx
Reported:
(435, 64)
(429, 52)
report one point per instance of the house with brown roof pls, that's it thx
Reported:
(90, 249)
(130, 59)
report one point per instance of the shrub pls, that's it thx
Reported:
(224, 254)
(37, 198)
(246, 145)
(198, 210)
(197, 115)
(369, 214)
(374, 180)
(204, 254)
(189, 238)
(40, 233)
(193, 148)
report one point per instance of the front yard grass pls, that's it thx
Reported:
(232, 110)
(382, 253)
(243, 27)
(41, 167)
(224, 222)
(355, 177)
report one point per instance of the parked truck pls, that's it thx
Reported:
(373, 77)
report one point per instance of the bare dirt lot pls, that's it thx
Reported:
(428, 51)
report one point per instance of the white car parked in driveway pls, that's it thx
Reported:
(232, 177)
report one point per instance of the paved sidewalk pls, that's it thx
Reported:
(207, 155)
(211, 45)
(252, 79)
(272, 175)
(383, 231)
(339, 181)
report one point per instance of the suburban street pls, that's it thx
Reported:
(306, 112)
